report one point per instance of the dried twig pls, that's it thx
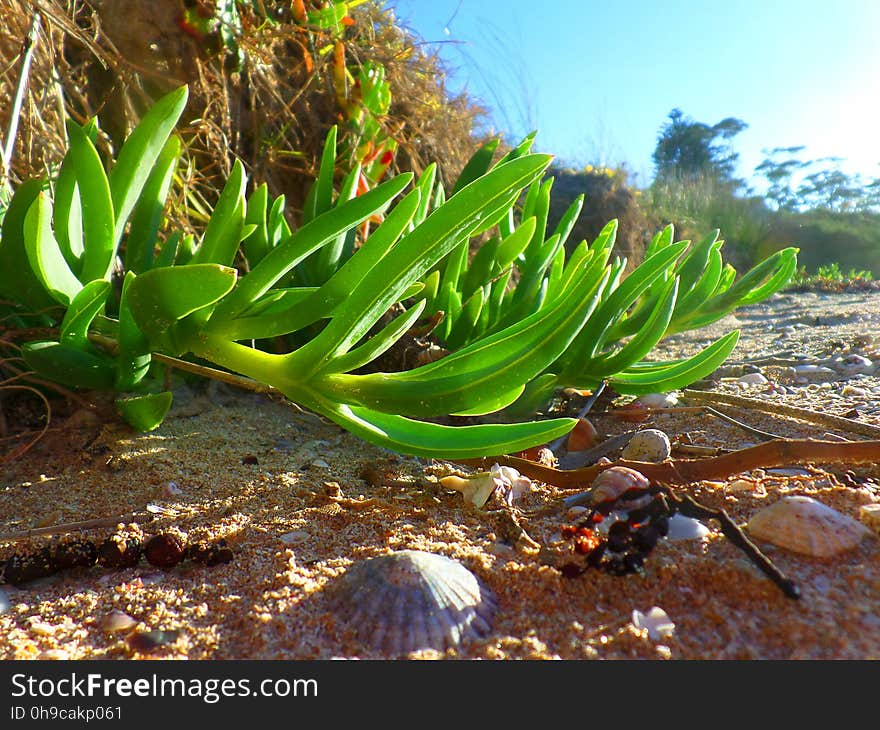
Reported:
(779, 452)
(71, 527)
(782, 409)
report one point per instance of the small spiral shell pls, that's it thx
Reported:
(616, 480)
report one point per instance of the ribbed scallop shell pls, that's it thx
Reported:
(412, 600)
(803, 525)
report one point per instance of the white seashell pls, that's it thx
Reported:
(614, 481)
(511, 485)
(685, 528)
(803, 525)
(412, 600)
(656, 621)
(869, 514)
(650, 444)
(658, 400)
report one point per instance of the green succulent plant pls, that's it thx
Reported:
(189, 301)
(678, 286)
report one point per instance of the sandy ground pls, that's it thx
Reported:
(299, 501)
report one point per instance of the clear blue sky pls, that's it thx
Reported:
(597, 78)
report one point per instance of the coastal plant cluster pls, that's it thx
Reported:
(87, 260)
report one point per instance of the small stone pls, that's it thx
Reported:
(55, 655)
(117, 621)
(147, 642)
(41, 628)
(752, 379)
(650, 444)
(5, 603)
(853, 365)
(295, 537)
(320, 463)
(813, 372)
(658, 400)
(741, 485)
(869, 514)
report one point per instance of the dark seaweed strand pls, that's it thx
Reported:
(49, 560)
(690, 508)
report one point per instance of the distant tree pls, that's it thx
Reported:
(689, 149)
(779, 174)
(827, 187)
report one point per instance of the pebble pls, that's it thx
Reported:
(741, 485)
(658, 400)
(5, 603)
(320, 463)
(812, 371)
(295, 537)
(752, 379)
(869, 514)
(853, 365)
(117, 621)
(147, 642)
(41, 628)
(850, 391)
(650, 444)
(656, 621)
(57, 655)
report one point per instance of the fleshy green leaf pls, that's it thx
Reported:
(147, 215)
(19, 282)
(140, 152)
(72, 366)
(144, 412)
(85, 306)
(160, 298)
(46, 260)
(99, 246)
(224, 232)
(446, 442)
(133, 361)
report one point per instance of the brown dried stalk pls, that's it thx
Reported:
(782, 409)
(70, 527)
(779, 452)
